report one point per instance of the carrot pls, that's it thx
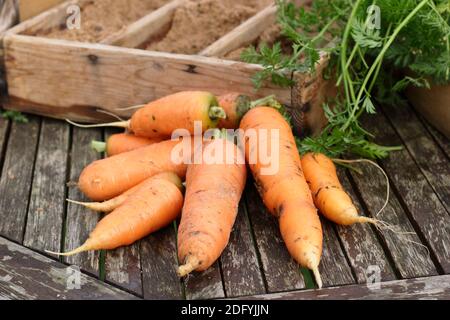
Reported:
(236, 105)
(328, 193)
(158, 119)
(109, 205)
(122, 142)
(285, 191)
(212, 198)
(108, 178)
(153, 206)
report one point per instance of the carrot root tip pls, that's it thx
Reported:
(83, 248)
(317, 277)
(191, 264)
(120, 124)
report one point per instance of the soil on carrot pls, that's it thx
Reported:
(101, 18)
(198, 23)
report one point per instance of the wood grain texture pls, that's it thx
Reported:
(41, 80)
(26, 275)
(80, 221)
(243, 35)
(139, 32)
(411, 259)
(205, 285)
(123, 266)
(46, 208)
(360, 242)
(240, 266)
(159, 265)
(281, 272)
(333, 267)
(428, 156)
(428, 213)
(441, 140)
(16, 178)
(430, 288)
(4, 124)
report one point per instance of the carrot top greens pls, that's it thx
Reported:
(370, 42)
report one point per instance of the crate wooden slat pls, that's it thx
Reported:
(31, 8)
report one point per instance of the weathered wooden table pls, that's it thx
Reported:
(37, 159)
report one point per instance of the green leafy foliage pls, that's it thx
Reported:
(412, 34)
(15, 116)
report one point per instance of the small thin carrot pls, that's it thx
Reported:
(160, 118)
(284, 191)
(213, 192)
(153, 206)
(122, 142)
(108, 178)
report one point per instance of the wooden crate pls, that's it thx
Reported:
(68, 79)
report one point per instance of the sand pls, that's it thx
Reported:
(101, 18)
(198, 23)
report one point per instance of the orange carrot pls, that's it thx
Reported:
(153, 206)
(160, 118)
(107, 178)
(109, 205)
(122, 142)
(213, 192)
(284, 191)
(328, 193)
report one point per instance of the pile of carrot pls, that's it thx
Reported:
(140, 187)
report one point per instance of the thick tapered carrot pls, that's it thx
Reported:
(282, 185)
(328, 193)
(213, 191)
(160, 118)
(153, 206)
(236, 105)
(110, 205)
(108, 178)
(122, 142)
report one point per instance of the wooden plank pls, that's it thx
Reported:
(26, 275)
(205, 285)
(159, 265)
(242, 35)
(281, 272)
(411, 289)
(411, 259)
(46, 20)
(360, 243)
(240, 266)
(428, 213)
(123, 265)
(8, 14)
(41, 81)
(334, 267)
(440, 139)
(48, 191)
(16, 178)
(428, 156)
(80, 221)
(149, 26)
(31, 8)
